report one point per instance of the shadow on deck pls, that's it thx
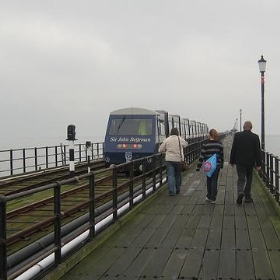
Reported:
(185, 237)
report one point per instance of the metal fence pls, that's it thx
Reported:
(67, 238)
(51, 255)
(269, 174)
(18, 161)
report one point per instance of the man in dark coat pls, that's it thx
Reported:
(245, 154)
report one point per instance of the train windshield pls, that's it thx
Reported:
(131, 126)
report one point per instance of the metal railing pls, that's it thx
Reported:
(49, 254)
(18, 161)
(269, 174)
(54, 250)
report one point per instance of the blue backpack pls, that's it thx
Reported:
(210, 165)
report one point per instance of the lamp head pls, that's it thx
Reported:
(262, 64)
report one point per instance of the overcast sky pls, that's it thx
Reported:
(73, 62)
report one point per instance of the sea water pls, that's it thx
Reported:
(272, 142)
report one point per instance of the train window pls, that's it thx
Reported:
(131, 126)
(161, 128)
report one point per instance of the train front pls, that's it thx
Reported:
(129, 137)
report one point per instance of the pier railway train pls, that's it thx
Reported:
(133, 133)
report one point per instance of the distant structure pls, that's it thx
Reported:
(234, 129)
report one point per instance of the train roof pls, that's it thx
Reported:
(134, 111)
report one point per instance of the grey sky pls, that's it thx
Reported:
(72, 62)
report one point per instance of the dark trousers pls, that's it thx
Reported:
(244, 181)
(212, 184)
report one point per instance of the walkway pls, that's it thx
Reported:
(185, 237)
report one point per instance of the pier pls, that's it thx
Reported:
(186, 237)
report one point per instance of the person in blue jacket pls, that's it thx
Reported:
(210, 147)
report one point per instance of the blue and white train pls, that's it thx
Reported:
(134, 133)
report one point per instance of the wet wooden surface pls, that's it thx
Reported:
(185, 237)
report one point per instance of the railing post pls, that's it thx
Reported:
(64, 155)
(267, 169)
(263, 166)
(92, 151)
(11, 163)
(47, 157)
(131, 171)
(115, 195)
(91, 206)
(56, 156)
(154, 172)
(57, 223)
(3, 238)
(23, 160)
(80, 152)
(271, 179)
(144, 171)
(277, 191)
(36, 158)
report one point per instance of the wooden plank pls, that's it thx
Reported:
(161, 232)
(94, 270)
(274, 256)
(192, 264)
(141, 265)
(174, 264)
(121, 264)
(228, 239)
(214, 234)
(244, 265)
(171, 237)
(275, 220)
(227, 264)
(185, 239)
(270, 236)
(161, 258)
(210, 264)
(263, 268)
(242, 239)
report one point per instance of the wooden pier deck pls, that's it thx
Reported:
(185, 237)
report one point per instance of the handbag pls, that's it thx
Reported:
(210, 165)
(184, 165)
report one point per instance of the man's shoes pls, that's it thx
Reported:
(171, 193)
(178, 191)
(207, 199)
(213, 201)
(249, 200)
(239, 198)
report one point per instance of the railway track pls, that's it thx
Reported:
(32, 217)
(28, 181)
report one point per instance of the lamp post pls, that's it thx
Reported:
(240, 120)
(262, 65)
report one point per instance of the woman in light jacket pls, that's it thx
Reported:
(173, 156)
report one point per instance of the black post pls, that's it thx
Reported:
(3, 238)
(240, 121)
(88, 146)
(71, 137)
(262, 108)
(262, 66)
(71, 159)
